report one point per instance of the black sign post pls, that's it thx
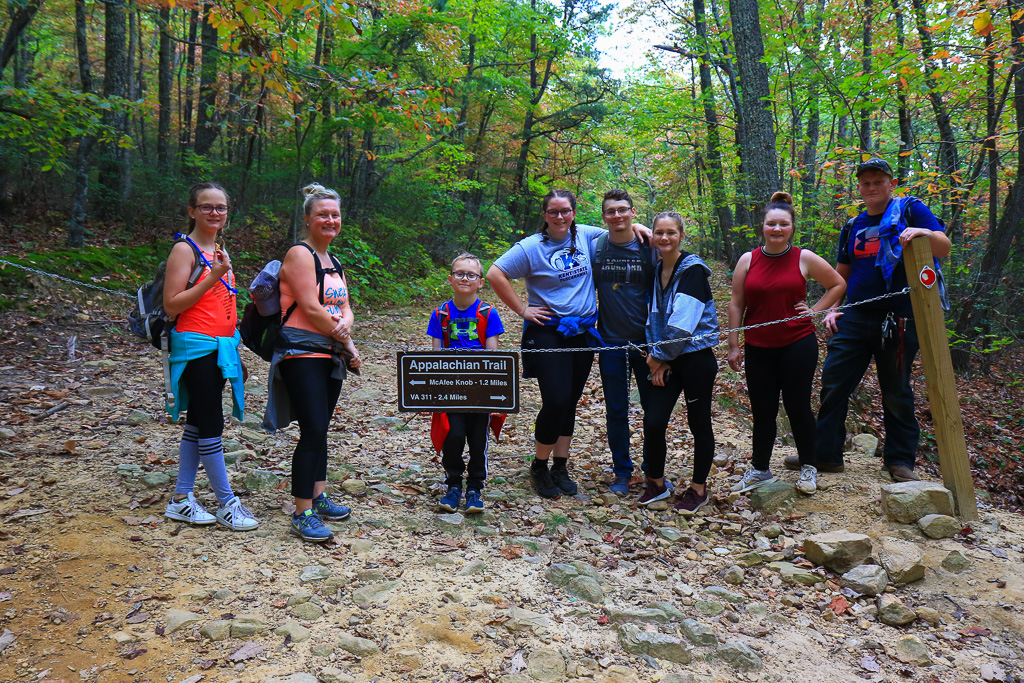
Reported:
(467, 382)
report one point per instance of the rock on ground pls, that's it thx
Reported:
(909, 501)
(866, 579)
(910, 650)
(939, 526)
(772, 496)
(839, 551)
(901, 560)
(893, 612)
(546, 664)
(654, 644)
(177, 619)
(360, 647)
(955, 562)
(739, 656)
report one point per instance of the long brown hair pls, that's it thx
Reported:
(193, 197)
(560, 194)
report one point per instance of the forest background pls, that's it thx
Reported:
(442, 122)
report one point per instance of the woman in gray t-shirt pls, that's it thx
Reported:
(561, 313)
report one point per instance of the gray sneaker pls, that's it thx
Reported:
(752, 479)
(808, 482)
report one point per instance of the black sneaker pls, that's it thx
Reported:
(542, 480)
(560, 477)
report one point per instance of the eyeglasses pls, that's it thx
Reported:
(208, 209)
(620, 211)
(556, 213)
(463, 275)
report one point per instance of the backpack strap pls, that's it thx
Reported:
(319, 280)
(444, 319)
(482, 312)
(197, 263)
(599, 250)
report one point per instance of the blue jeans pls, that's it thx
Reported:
(615, 381)
(849, 351)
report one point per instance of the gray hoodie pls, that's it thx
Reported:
(683, 311)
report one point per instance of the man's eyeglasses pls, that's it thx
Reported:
(619, 211)
(208, 209)
(463, 275)
(556, 213)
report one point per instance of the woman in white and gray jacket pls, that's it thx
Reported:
(682, 312)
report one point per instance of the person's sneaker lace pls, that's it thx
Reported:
(236, 516)
(328, 509)
(309, 527)
(450, 500)
(474, 503)
(808, 482)
(752, 479)
(188, 509)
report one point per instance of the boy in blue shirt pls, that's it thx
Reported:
(465, 322)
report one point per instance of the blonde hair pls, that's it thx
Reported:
(672, 216)
(466, 256)
(315, 192)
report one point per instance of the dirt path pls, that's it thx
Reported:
(93, 580)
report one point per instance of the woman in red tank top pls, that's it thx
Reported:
(769, 284)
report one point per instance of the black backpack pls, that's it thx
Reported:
(149, 320)
(260, 332)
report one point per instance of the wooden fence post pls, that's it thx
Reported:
(938, 375)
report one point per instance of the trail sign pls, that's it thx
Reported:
(450, 381)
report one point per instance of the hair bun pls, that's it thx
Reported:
(782, 198)
(312, 189)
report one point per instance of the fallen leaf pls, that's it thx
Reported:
(134, 653)
(511, 552)
(246, 651)
(839, 605)
(603, 619)
(869, 664)
(71, 447)
(138, 618)
(974, 632)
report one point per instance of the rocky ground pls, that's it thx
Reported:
(95, 585)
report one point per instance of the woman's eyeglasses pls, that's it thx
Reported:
(209, 209)
(557, 213)
(463, 275)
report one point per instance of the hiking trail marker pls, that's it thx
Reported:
(458, 382)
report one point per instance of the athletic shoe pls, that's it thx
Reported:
(474, 504)
(792, 462)
(328, 509)
(450, 501)
(620, 486)
(189, 510)
(560, 477)
(808, 482)
(542, 481)
(309, 527)
(901, 473)
(236, 516)
(752, 479)
(692, 501)
(653, 492)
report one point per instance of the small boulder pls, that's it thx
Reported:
(560, 574)
(939, 526)
(310, 611)
(261, 480)
(546, 664)
(865, 444)
(654, 644)
(697, 633)
(354, 487)
(300, 677)
(154, 480)
(909, 501)
(524, 620)
(839, 551)
(178, 619)
(247, 625)
(771, 497)
(739, 656)
(330, 674)
(866, 579)
(733, 575)
(910, 650)
(901, 560)
(585, 588)
(955, 562)
(624, 615)
(893, 612)
(217, 630)
(790, 573)
(314, 573)
(293, 629)
(360, 647)
(374, 592)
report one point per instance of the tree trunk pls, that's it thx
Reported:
(185, 136)
(207, 116)
(974, 309)
(19, 22)
(906, 132)
(115, 84)
(716, 176)
(79, 209)
(165, 85)
(865, 63)
(761, 164)
(809, 159)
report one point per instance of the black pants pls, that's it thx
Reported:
(693, 375)
(205, 387)
(788, 370)
(463, 428)
(314, 394)
(561, 378)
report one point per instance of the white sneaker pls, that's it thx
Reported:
(752, 479)
(236, 516)
(189, 510)
(808, 482)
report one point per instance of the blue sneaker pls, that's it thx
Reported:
(474, 505)
(620, 486)
(328, 509)
(309, 527)
(450, 501)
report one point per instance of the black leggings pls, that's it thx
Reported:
(463, 428)
(693, 375)
(205, 387)
(314, 394)
(561, 378)
(788, 370)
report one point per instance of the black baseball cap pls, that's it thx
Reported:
(875, 164)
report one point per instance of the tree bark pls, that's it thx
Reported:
(762, 169)
(19, 22)
(115, 85)
(865, 63)
(185, 136)
(207, 116)
(809, 158)
(906, 132)
(165, 85)
(80, 206)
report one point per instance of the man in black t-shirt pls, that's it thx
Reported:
(870, 259)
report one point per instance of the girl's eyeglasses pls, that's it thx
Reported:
(208, 209)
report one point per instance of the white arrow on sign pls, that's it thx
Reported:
(497, 398)
(418, 381)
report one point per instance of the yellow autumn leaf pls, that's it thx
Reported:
(941, 54)
(865, 157)
(983, 23)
